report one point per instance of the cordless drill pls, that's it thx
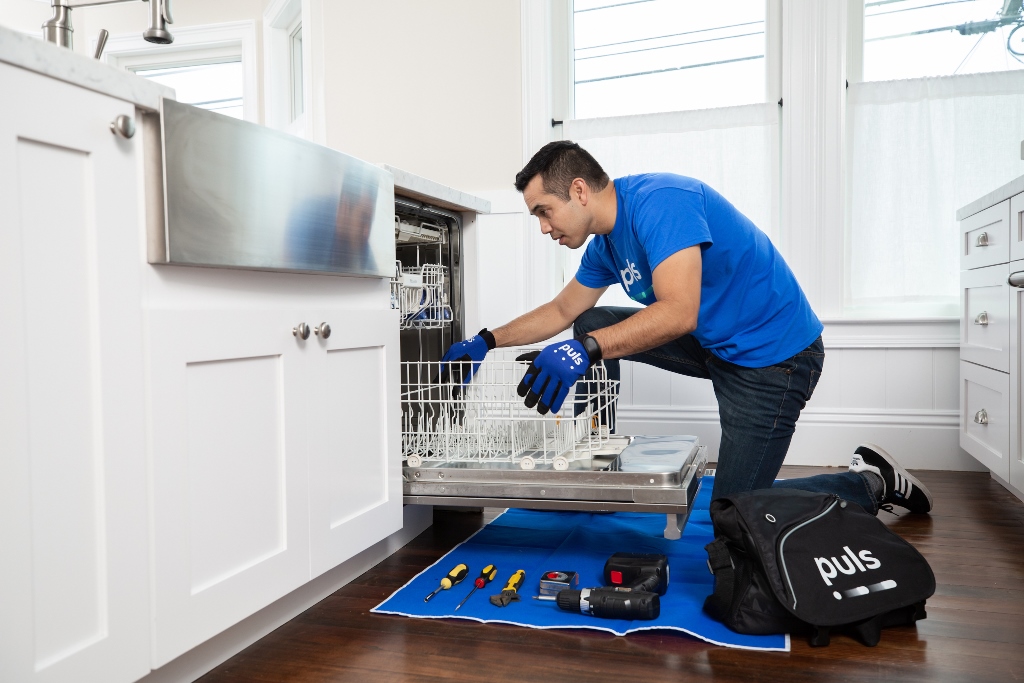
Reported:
(634, 582)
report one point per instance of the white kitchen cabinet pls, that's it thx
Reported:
(228, 414)
(355, 477)
(992, 334)
(74, 540)
(270, 455)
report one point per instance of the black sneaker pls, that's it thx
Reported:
(900, 487)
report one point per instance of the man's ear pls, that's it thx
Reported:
(580, 191)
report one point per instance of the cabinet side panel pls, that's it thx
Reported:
(357, 446)
(65, 442)
(236, 475)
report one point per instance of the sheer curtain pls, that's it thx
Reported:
(732, 149)
(919, 150)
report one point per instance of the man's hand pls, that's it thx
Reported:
(463, 359)
(552, 374)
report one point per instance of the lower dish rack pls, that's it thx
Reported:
(479, 446)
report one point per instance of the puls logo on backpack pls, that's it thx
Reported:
(850, 563)
(629, 275)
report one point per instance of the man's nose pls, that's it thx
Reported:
(545, 227)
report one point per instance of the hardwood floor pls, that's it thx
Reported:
(974, 540)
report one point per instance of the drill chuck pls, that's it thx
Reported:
(611, 603)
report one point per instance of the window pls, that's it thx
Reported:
(917, 38)
(644, 56)
(295, 41)
(921, 147)
(213, 67)
(284, 68)
(216, 87)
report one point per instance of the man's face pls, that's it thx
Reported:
(565, 221)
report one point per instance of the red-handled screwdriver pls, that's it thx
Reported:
(486, 576)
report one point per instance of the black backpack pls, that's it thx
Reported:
(790, 561)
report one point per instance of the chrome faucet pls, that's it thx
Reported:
(58, 28)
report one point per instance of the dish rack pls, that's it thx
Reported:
(420, 293)
(486, 421)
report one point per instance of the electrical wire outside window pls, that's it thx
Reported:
(648, 56)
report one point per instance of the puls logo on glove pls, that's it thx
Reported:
(575, 355)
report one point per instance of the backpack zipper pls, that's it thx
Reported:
(782, 543)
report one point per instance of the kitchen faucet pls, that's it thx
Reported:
(58, 28)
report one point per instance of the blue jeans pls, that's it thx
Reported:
(758, 409)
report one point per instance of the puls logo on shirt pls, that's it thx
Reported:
(629, 275)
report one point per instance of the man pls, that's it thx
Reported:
(720, 304)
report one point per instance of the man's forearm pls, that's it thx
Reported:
(539, 324)
(648, 328)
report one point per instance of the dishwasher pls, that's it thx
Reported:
(478, 445)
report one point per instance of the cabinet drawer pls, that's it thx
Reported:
(985, 237)
(985, 317)
(985, 416)
(1017, 227)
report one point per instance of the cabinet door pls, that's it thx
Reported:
(985, 237)
(73, 542)
(1017, 227)
(228, 443)
(985, 416)
(985, 317)
(1016, 465)
(354, 443)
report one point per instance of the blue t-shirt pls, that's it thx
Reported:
(752, 310)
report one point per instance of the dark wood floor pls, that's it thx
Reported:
(974, 540)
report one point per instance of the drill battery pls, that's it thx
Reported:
(554, 581)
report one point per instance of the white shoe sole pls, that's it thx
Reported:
(914, 481)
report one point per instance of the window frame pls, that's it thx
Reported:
(206, 44)
(563, 79)
(281, 20)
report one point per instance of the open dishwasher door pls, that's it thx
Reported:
(479, 446)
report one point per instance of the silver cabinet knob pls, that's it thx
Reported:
(123, 126)
(981, 417)
(982, 319)
(323, 330)
(301, 331)
(1016, 279)
(982, 240)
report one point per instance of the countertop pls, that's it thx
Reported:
(62, 64)
(1014, 187)
(425, 190)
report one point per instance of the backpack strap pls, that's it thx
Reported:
(720, 564)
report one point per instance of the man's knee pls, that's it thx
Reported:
(592, 319)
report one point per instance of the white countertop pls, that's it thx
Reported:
(61, 63)
(1014, 187)
(425, 190)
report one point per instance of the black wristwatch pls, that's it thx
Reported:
(592, 348)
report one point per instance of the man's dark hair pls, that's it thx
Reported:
(559, 163)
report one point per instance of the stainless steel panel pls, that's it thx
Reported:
(239, 195)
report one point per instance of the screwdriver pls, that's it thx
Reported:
(455, 576)
(486, 576)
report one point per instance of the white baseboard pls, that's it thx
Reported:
(919, 439)
(220, 648)
(1008, 486)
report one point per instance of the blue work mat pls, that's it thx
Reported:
(539, 541)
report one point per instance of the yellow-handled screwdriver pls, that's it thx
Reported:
(486, 576)
(455, 576)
